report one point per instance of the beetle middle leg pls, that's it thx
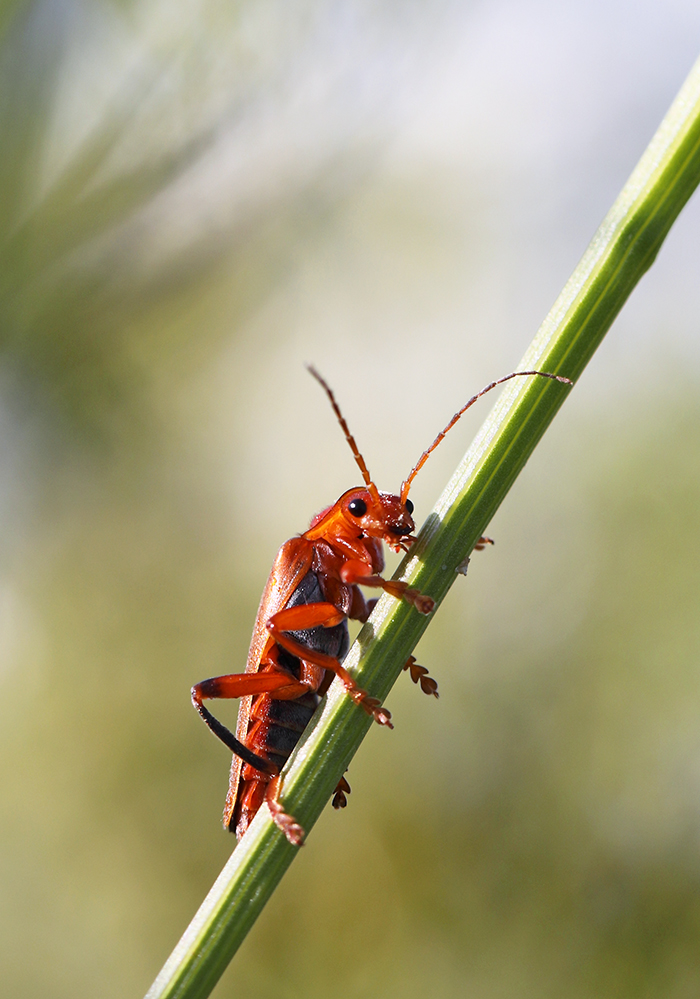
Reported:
(324, 615)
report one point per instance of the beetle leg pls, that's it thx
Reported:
(324, 615)
(287, 823)
(419, 674)
(355, 571)
(339, 795)
(284, 686)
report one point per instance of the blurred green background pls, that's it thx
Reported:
(195, 200)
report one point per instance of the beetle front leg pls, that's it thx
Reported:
(355, 571)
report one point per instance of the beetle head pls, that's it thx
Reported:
(379, 515)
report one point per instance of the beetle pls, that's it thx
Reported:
(301, 633)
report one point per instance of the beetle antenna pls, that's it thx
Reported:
(424, 457)
(346, 430)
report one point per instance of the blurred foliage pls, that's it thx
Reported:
(536, 831)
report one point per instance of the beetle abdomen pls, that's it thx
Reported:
(275, 724)
(286, 721)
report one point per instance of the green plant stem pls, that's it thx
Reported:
(619, 254)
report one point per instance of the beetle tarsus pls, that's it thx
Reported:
(372, 705)
(402, 591)
(287, 823)
(291, 829)
(340, 794)
(419, 674)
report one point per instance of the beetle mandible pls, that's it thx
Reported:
(301, 634)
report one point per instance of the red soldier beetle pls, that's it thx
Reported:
(301, 634)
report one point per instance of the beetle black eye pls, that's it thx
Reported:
(357, 507)
(409, 506)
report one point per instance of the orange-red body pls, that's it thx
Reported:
(299, 640)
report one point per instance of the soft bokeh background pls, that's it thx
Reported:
(195, 200)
